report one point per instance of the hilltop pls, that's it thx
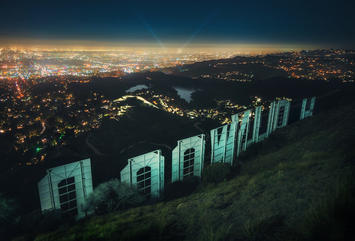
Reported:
(296, 185)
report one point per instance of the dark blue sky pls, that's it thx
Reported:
(218, 21)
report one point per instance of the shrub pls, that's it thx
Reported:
(265, 229)
(181, 188)
(216, 173)
(41, 222)
(8, 215)
(112, 196)
(7, 209)
(52, 219)
(332, 219)
(30, 221)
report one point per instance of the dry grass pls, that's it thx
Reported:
(287, 185)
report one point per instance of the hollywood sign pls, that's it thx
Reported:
(67, 187)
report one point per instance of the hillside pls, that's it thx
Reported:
(296, 185)
(114, 142)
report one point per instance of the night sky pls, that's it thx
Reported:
(323, 23)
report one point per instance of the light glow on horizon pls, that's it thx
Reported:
(242, 48)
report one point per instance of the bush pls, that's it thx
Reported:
(52, 219)
(7, 209)
(42, 222)
(216, 173)
(265, 229)
(30, 221)
(332, 219)
(112, 196)
(181, 188)
(8, 215)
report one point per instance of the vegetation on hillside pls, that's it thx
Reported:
(111, 196)
(296, 185)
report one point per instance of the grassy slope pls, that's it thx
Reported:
(272, 197)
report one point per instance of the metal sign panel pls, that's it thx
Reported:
(277, 117)
(243, 129)
(307, 112)
(146, 173)
(188, 158)
(223, 143)
(282, 111)
(257, 123)
(270, 121)
(66, 187)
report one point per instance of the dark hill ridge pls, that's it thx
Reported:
(207, 90)
(293, 186)
(114, 143)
